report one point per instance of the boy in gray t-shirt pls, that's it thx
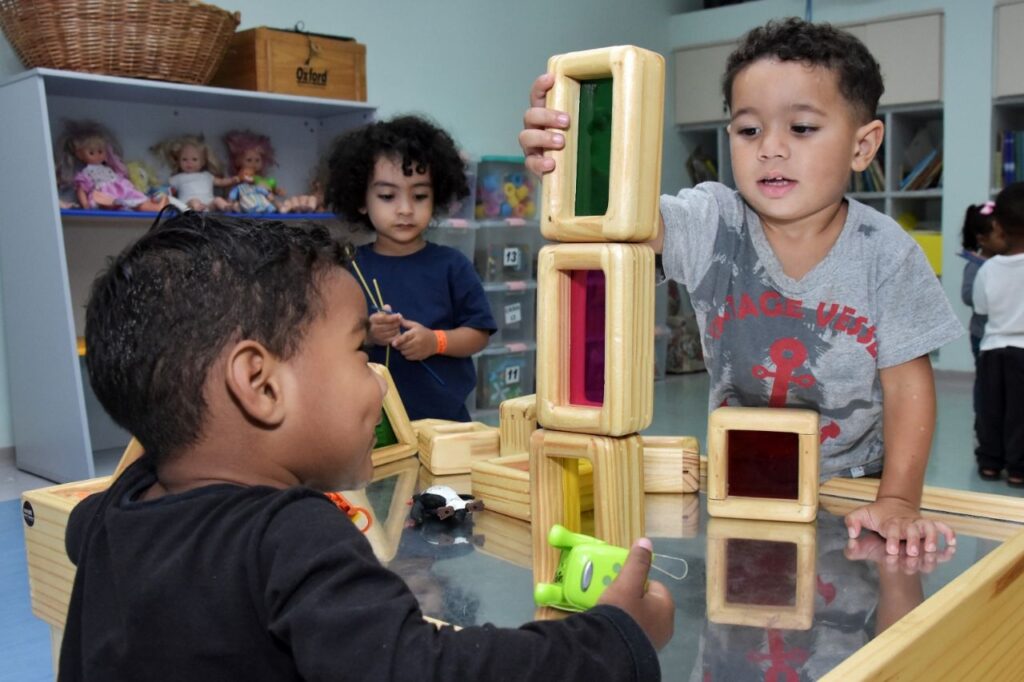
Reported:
(805, 298)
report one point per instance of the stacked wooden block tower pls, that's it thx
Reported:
(595, 299)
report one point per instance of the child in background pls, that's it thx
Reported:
(391, 177)
(980, 243)
(806, 298)
(216, 555)
(997, 293)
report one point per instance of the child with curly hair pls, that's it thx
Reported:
(391, 176)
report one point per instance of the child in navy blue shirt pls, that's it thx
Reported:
(431, 311)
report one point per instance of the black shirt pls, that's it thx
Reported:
(254, 583)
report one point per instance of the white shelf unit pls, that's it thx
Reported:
(1007, 115)
(47, 260)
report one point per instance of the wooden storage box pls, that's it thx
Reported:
(269, 60)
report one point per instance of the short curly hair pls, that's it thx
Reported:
(417, 142)
(167, 306)
(793, 39)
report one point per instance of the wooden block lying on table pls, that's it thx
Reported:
(504, 485)
(631, 179)
(517, 420)
(671, 464)
(763, 463)
(395, 435)
(460, 483)
(618, 490)
(770, 580)
(449, 447)
(589, 382)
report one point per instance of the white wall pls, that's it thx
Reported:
(967, 92)
(466, 63)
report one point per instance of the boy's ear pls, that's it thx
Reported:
(254, 378)
(867, 142)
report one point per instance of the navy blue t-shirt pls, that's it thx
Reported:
(437, 287)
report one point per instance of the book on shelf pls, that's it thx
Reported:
(913, 179)
(871, 179)
(1009, 157)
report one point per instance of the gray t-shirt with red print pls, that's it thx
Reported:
(817, 342)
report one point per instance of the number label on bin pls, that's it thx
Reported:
(513, 313)
(512, 375)
(511, 257)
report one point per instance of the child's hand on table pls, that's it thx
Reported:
(895, 519)
(649, 603)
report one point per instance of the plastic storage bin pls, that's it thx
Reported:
(505, 189)
(503, 372)
(464, 209)
(514, 306)
(506, 251)
(458, 235)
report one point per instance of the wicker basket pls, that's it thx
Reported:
(174, 40)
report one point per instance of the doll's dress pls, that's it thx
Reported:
(252, 198)
(189, 186)
(98, 177)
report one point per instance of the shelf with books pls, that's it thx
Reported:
(1008, 146)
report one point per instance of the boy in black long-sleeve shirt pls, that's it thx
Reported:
(233, 351)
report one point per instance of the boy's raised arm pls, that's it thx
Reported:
(908, 421)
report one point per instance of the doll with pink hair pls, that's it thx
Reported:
(251, 156)
(89, 157)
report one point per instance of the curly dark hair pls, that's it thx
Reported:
(793, 39)
(975, 223)
(415, 140)
(166, 307)
(1009, 210)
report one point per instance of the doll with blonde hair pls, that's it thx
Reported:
(251, 155)
(197, 171)
(89, 158)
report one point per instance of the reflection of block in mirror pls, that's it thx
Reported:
(761, 573)
(386, 497)
(517, 420)
(605, 184)
(448, 447)
(763, 463)
(554, 491)
(595, 338)
(396, 438)
(504, 537)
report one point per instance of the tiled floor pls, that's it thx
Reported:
(680, 409)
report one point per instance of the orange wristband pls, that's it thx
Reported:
(442, 341)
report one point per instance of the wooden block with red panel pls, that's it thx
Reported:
(763, 463)
(761, 573)
(595, 338)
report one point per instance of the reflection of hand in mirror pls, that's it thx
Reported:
(899, 580)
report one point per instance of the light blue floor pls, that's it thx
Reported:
(680, 408)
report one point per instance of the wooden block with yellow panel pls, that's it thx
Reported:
(517, 420)
(449, 447)
(607, 177)
(554, 483)
(396, 439)
(595, 338)
(763, 463)
(761, 573)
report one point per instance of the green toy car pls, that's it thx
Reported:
(586, 567)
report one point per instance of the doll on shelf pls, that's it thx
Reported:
(196, 172)
(314, 201)
(251, 155)
(90, 159)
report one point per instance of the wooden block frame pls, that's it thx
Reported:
(799, 615)
(804, 423)
(517, 420)
(628, 339)
(450, 447)
(618, 490)
(400, 424)
(638, 104)
(504, 485)
(671, 464)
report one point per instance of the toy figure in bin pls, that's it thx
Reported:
(89, 157)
